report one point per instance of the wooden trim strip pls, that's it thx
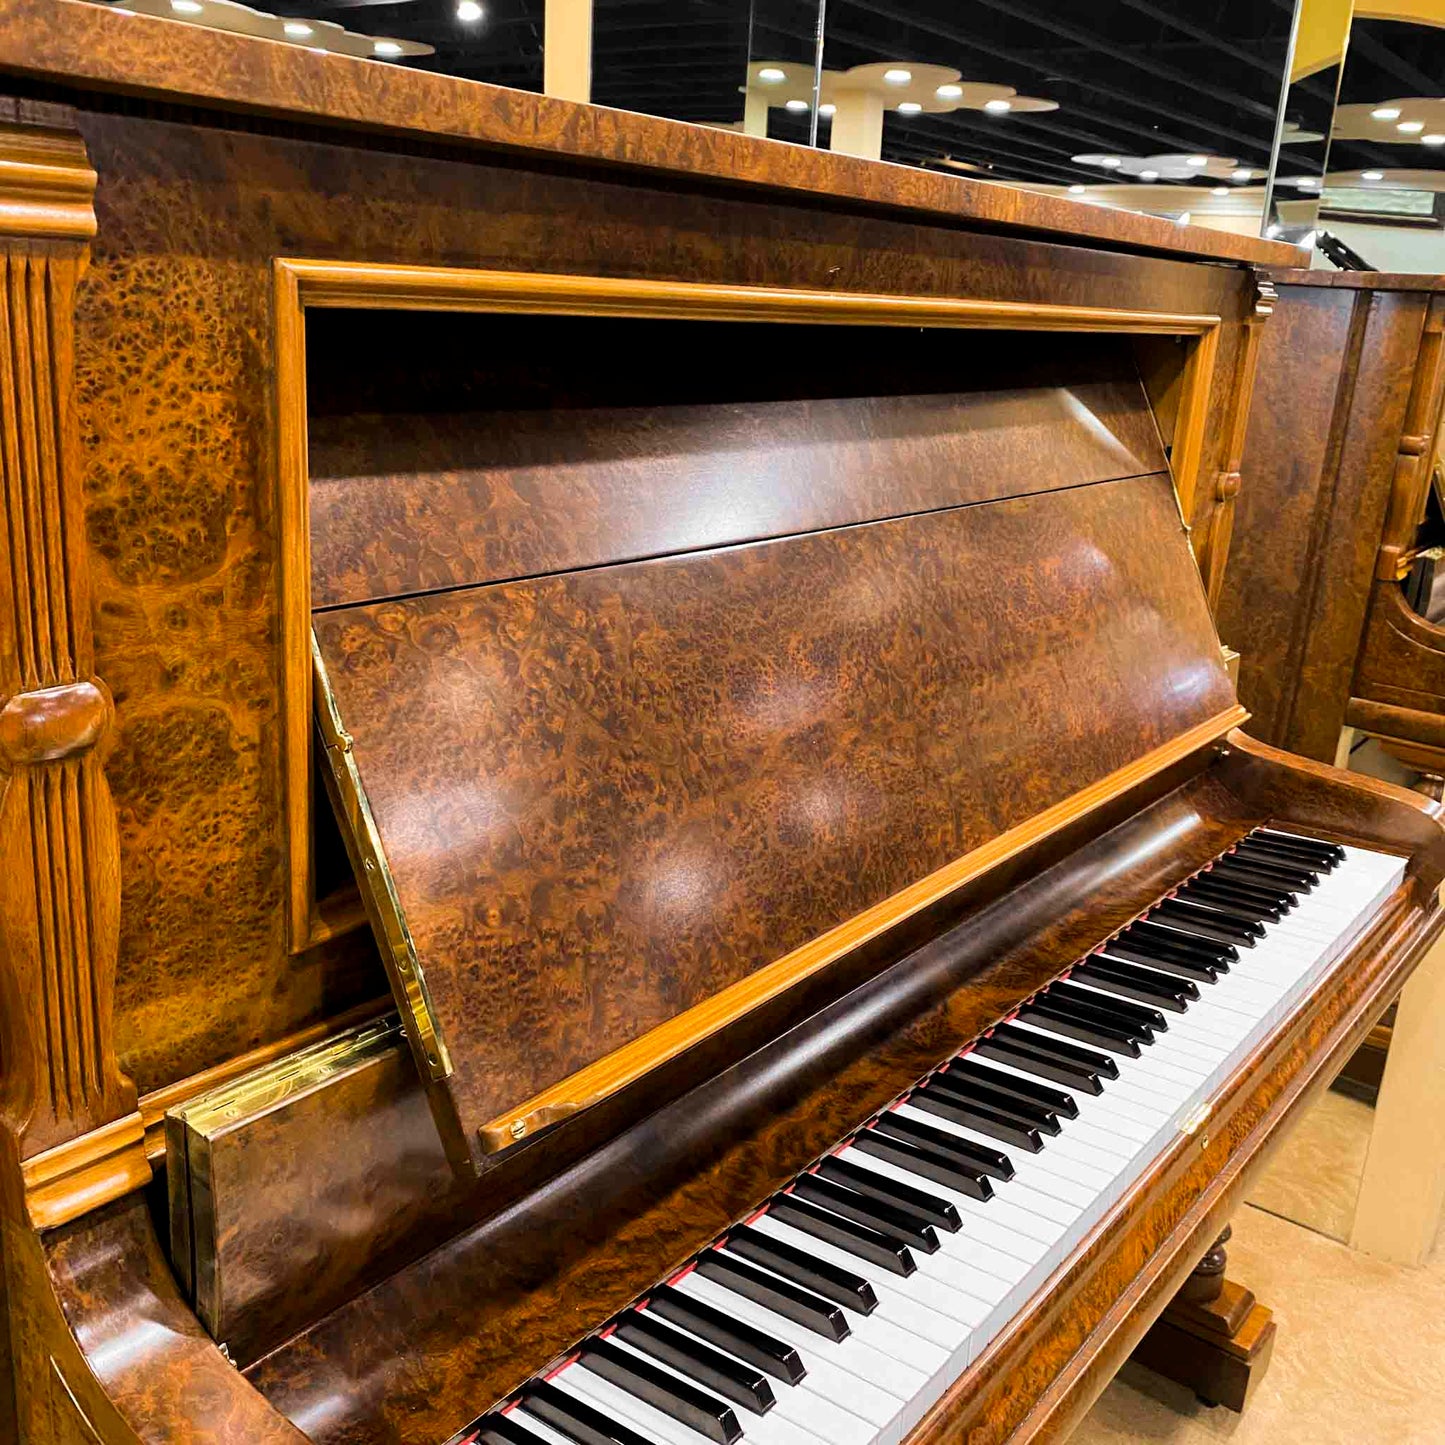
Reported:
(631, 1062)
(82, 1174)
(438, 288)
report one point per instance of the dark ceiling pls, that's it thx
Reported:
(1132, 77)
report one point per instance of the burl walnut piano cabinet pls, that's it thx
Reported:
(572, 687)
(1339, 454)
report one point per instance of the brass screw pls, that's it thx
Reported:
(519, 1127)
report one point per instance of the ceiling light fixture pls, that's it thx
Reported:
(1077, 190)
(1432, 140)
(1411, 127)
(949, 92)
(771, 75)
(1111, 163)
(795, 106)
(469, 11)
(1221, 191)
(1242, 174)
(998, 107)
(1197, 161)
(379, 47)
(909, 107)
(1148, 175)
(829, 110)
(1386, 112)
(898, 76)
(187, 7)
(1372, 175)
(297, 28)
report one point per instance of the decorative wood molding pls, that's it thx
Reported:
(301, 283)
(59, 853)
(1214, 546)
(1415, 451)
(625, 1065)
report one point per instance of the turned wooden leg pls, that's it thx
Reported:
(1214, 1337)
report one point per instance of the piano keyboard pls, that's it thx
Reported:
(842, 1310)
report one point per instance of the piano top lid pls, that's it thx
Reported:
(603, 813)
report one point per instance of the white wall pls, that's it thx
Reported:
(1392, 248)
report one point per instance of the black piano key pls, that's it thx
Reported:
(1203, 924)
(1231, 870)
(1061, 1020)
(1300, 875)
(1206, 886)
(1198, 950)
(502, 1430)
(862, 1209)
(1256, 893)
(970, 1155)
(1054, 1100)
(1013, 1107)
(926, 1163)
(1155, 956)
(1040, 1065)
(1241, 917)
(931, 1209)
(686, 1403)
(1164, 991)
(772, 1356)
(1252, 871)
(1287, 854)
(1081, 1058)
(576, 1419)
(937, 1098)
(871, 1245)
(1140, 1014)
(801, 1306)
(743, 1384)
(1275, 835)
(830, 1282)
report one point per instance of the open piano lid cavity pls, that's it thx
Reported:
(609, 809)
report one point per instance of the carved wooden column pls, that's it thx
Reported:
(1214, 1337)
(70, 1113)
(1227, 479)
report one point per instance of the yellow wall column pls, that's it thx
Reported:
(567, 49)
(858, 124)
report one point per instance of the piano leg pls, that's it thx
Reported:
(1214, 1337)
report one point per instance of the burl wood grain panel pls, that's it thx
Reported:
(1334, 379)
(406, 503)
(70, 41)
(173, 355)
(607, 795)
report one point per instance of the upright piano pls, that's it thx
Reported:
(1328, 540)
(624, 818)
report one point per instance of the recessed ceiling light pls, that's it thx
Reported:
(1077, 190)
(187, 7)
(1242, 174)
(1432, 140)
(771, 75)
(1197, 161)
(1372, 175)
(299, 28)
(998, 107)
(1221, 191)
(829, 109)
(379, 47)
(469, 11)
(909, 107)
(949, 92)
(1411, 127)
(1386, 112)
(1111, 163)
(898, 76)
(796, 105)
(1148, 175)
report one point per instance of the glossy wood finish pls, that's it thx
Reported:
(679, 705)
(1334, 380)
(235, 72)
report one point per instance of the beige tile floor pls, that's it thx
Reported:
(1360, 1355)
